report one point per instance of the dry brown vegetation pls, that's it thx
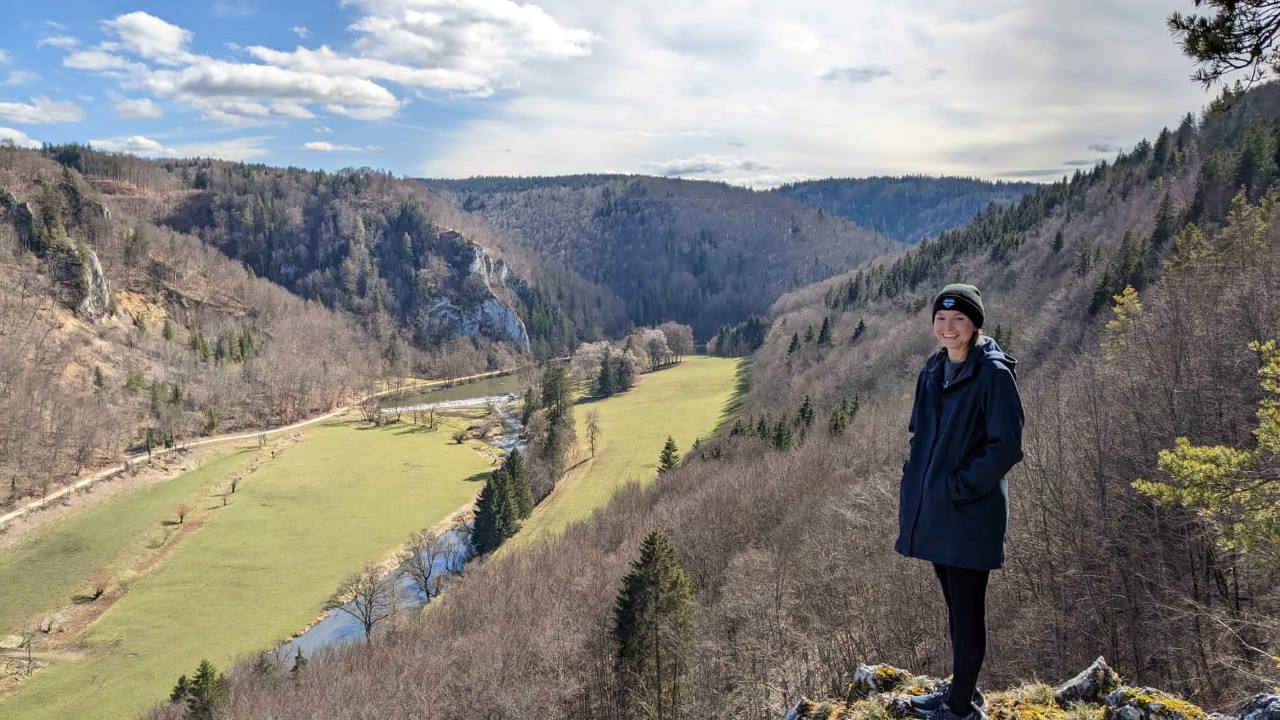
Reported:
(791, 552)
(78, 393)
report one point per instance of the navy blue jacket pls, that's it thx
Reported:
(953, 505)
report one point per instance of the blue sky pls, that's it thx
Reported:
(752, 92)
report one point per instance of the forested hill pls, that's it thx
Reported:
(784, 528)
(700, 253)
(906, 208)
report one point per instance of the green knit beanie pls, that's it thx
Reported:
(962, 297)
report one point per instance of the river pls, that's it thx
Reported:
(338, 627)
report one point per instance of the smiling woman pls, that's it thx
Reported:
(953, 510)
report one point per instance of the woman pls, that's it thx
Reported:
(966, 433)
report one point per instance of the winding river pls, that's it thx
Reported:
(339, 627)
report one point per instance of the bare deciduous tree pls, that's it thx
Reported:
(370, 596)
(425, 560)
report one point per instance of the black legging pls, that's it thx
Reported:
(966, 594)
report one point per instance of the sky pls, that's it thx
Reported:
(748, 92)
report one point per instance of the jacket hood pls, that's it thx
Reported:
(991, 350)
(987, 350)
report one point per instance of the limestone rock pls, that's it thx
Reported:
(1092, 685)
(1130, 703)
(1262, 707)
(871, 680)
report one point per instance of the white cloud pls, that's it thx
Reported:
(219, 80)
(331, 147)
(301, 31)
(66, 42)
(704, 165)
(150, 37)
(20, 77)
(4, 56)
(137, 109)
(41, 110)
(233, 10)
(927, 87)
(18, 138)
(98, 61)
(135, 145)
(237, 149)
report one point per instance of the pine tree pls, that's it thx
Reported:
(795, 343)
(496, 514)
(653, 624)
(862, 327)
(670, 456)
(1237, 491)
(521, 490)
(299, 662)
(838, 423)
(204, 694)
(606, 382)
(783, 437)
(807, 414)
(824, 335)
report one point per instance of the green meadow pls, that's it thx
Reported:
(258, 570)
(687, 402)
(55, 566)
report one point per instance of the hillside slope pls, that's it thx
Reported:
(118, 335)
(703, 254)
(908, 208)
(785, 532)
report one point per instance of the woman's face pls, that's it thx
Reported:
(953, 329)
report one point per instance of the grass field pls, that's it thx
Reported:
(687, 402)
(55, 565)
(258, 569)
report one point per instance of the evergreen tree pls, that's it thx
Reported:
(670, 456)
(795, 343)
(204, 694)
(496, 514)
(838, 423)
(783, 436)
(530, 404)
(807, 414)
(653, 624)
(518, 476)
(862, 327)
(1237, 491)
(299, 662)
(824, 335)
(605, 382)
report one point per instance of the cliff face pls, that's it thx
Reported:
(473, 306)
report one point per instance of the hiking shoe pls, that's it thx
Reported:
(924, 705)
(944, 712)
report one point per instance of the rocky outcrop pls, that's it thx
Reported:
(884, 690)
(96, 298)
(477, 310)
(19, 214)
(1262, 707)
(1092, 685)
(1129, 703)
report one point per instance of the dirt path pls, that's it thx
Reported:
(143, 469)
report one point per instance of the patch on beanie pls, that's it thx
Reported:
(948, 302)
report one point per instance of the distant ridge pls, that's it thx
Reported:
(907, 208)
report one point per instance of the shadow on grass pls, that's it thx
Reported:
(733, 408)
(82, 599)
(480, 477)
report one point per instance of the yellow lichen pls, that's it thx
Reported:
(1159, 705)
